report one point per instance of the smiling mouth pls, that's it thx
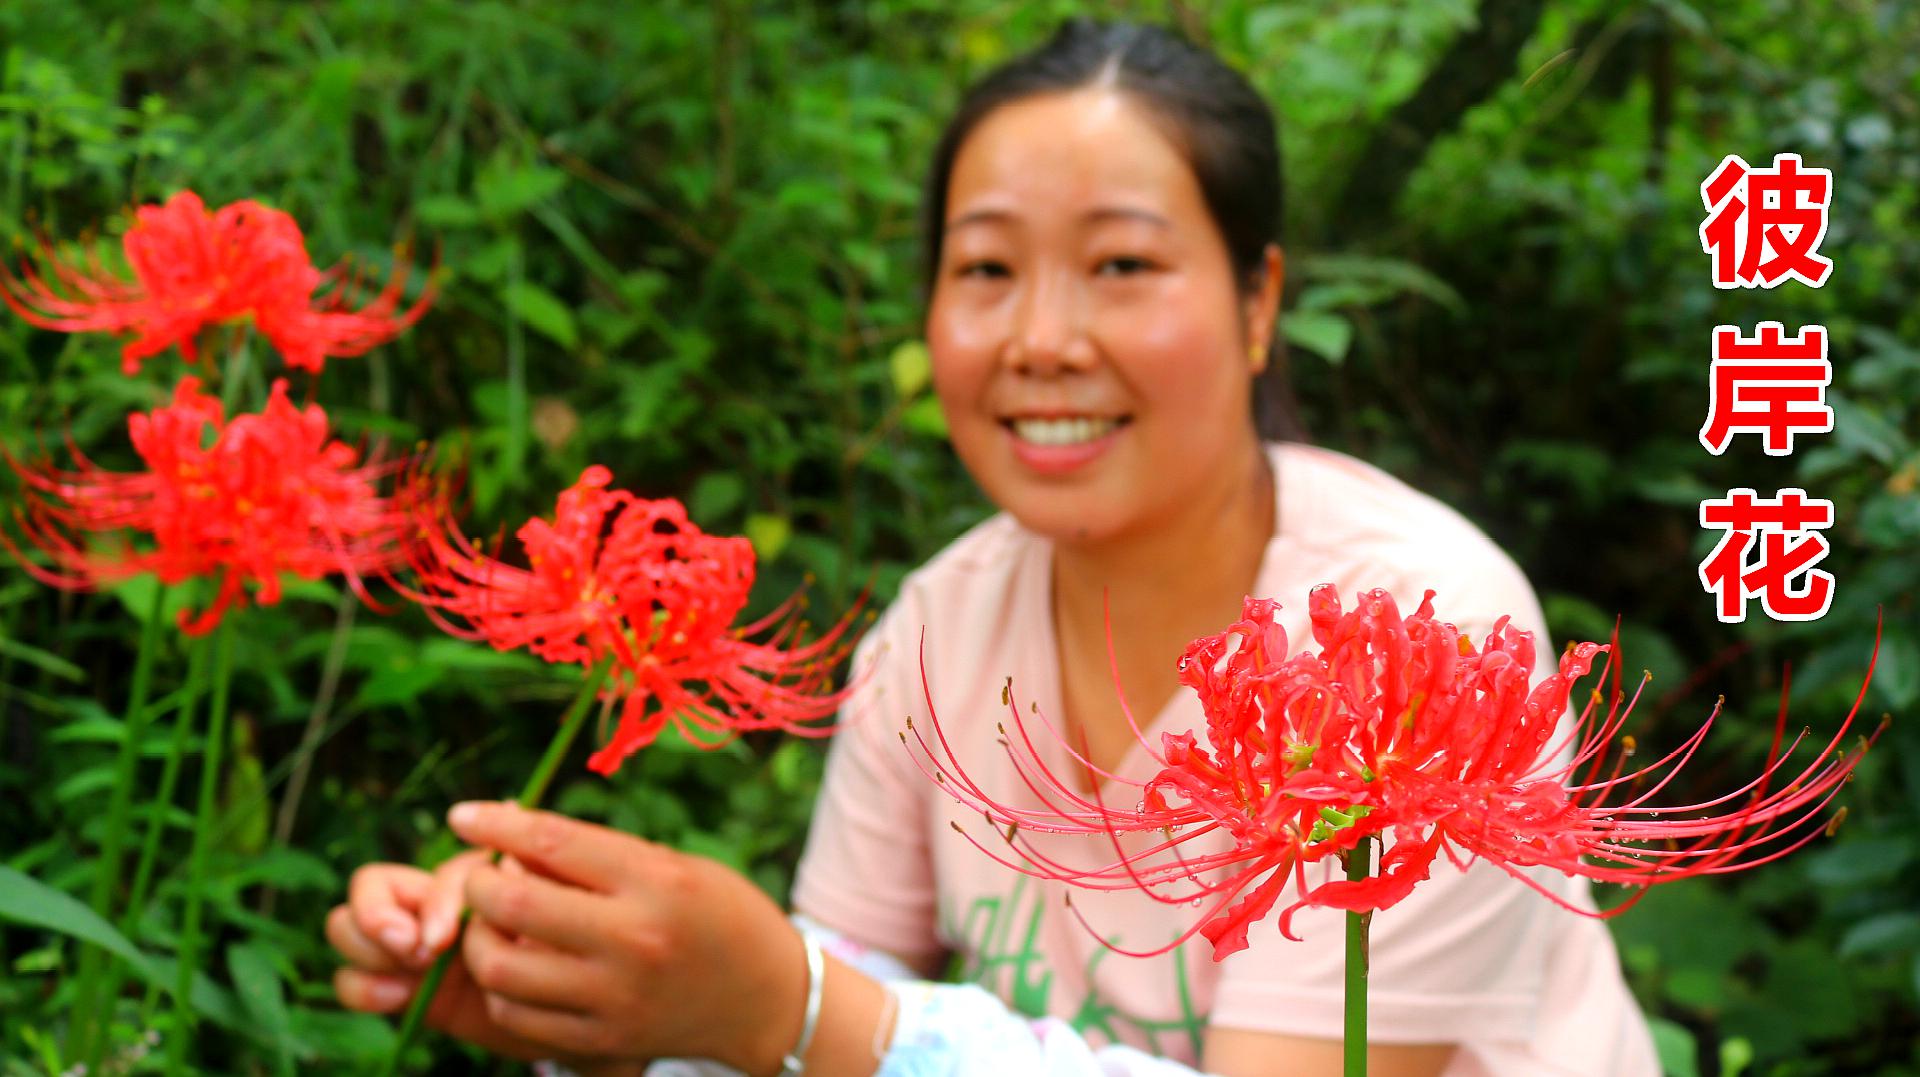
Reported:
(1074, 430)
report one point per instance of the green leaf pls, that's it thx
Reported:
(1691, 925)
(1859, 862)
(446, 211)
(1862, 429)
(1891, 521)
(1697, 988)
(716, 495)
(1671, 488)
(1585, 468)
(1736, 1054)
(88, 781)
(1687, 18)
(505, 189)
(465, 657)
(42, 660)
(924, 416)
(911, 367)
(136, 594)
(1401, 275)
(398, 680)
(769, 534)
(287, 868)
(543, 311)
(490, 262)
(1896, 673)
(1887, 932)
(357, 1042)
(1679, 1054)
(26, 900)
(45, 959)
(244, 803)
(264, 997)
(1323, 333)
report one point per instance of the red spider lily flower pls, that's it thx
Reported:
(1394, 726)
(241, 501)
(193, 269)
(621, 577)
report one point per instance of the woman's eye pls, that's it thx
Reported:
(1123, 265)
(986, 268)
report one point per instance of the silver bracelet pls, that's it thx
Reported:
(795, 1063)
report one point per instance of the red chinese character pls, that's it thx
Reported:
(1758, 379)
(1758, 229)
(1787, 548)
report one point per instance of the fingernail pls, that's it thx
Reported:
(437, 931)
(388, 993)
(398, 938)
(465, 813)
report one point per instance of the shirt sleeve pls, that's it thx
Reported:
(1465, 956)
(867, 871)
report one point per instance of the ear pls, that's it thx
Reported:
(1263, 303)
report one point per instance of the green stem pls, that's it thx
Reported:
(1359, 866)
(158, 808)
(196, 860)
(93, 1013)
(234, 376)
(530, 796)
(516, 371)
(335, 661)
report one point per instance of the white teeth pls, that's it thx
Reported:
(1063, 431)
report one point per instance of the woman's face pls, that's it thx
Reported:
(1090, 348)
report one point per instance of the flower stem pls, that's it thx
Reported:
(158, 808)
(1359, 866)
(93, 1014)
(516, 369)
(234, 377)
(196, 859)
(169, 778)
(530, 796)
(335, 661)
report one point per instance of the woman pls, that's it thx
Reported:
(1104, 274)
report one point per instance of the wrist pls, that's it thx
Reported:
(854, 1024)
(775, 1030)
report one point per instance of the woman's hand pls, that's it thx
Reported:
(610, 946)
(395, 923)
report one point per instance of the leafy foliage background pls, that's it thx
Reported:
(678, 239)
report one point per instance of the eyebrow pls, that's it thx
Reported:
(984, 216)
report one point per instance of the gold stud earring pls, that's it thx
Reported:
(1257, 357)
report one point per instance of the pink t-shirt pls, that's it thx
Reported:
(1474, 958)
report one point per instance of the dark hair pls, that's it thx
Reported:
(1209, 110)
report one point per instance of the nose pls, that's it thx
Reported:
(1050, 333)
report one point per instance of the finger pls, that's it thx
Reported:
(385, 900)
(549, 978)
(539, 909)
(371, 992)
(363, 953)
(566, 849)
(460, 1010)
(444, 900)
(566, 1031)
